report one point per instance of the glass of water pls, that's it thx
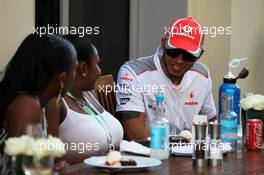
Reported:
(34, 166)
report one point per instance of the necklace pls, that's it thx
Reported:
(91, 110)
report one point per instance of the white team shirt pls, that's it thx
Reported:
(138, 81)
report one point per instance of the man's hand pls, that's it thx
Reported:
(134, 125)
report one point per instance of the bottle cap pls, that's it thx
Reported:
(229, 92)
(233, 63)
(159, 98)
(230, 80)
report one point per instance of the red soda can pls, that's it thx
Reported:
(254, 138)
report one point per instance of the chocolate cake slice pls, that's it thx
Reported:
(179, 139)
(128, 162)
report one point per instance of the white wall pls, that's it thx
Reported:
(248, 40)
(148, 19)
(17, 20)
(217, 49)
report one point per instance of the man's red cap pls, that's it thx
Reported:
(187, 34)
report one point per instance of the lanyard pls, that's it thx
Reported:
(97, 117)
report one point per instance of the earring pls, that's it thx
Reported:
(59, 95)
(84, 74)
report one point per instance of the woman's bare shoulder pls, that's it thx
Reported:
(25, 101)
(24, 107)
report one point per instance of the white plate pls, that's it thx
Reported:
(142, 162)
(187, 149)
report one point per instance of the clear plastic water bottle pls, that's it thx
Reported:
(229, 126)
(159, 132)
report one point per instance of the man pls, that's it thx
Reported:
(175, 70)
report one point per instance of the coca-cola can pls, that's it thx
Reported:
(254, 138)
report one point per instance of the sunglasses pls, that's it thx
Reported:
(177, 52)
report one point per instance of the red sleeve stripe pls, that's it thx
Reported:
(147, 71)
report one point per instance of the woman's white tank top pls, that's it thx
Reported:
(82, 133)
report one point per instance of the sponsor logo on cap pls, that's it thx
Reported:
(187, 32)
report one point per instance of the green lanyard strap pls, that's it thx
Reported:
(87, 110)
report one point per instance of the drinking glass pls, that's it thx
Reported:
(35, 166)
(31, 164)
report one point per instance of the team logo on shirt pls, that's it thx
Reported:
(126, 77)
(191, 99)
(124, 101)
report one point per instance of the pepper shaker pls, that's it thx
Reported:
(215, 153)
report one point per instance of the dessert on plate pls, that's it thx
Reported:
(184, 137)
(114, 158)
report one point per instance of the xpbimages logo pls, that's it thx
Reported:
(187, 31)
(61, 30)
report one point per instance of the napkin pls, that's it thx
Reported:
(134, 147)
